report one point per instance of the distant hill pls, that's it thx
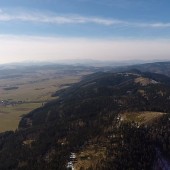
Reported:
(86, 122)
(157, 67)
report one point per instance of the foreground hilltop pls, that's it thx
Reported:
(106, 121)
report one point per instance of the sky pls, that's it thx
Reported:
(53, 30)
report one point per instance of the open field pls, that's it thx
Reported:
(40, 90)
(11, 115)
(22, 90)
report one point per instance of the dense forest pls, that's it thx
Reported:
(88, 114)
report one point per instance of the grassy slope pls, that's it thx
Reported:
(141, 117)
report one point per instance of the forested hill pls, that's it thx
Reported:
(108, 120)
(157, 67)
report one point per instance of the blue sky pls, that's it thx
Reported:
(84, 29)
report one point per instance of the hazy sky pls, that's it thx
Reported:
(84, 29)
